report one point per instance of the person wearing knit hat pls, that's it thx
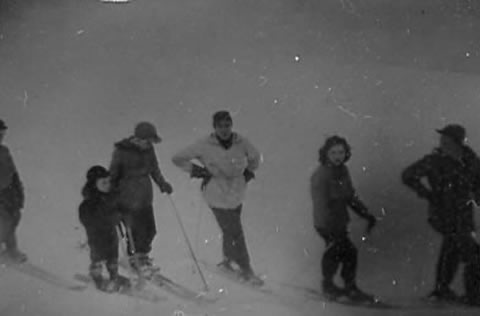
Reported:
(228, 161)
(99, 217)
(453, 174)
(133, 165)
(12, 200)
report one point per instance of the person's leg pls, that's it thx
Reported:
(447, 266)
(330, 263)
(223, 218)
(348, 254)
(143, 230)
(11, 245)
(96, 268)
(470, 253)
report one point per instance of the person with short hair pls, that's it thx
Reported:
(332, 195)
(228, 162)
(452, 173)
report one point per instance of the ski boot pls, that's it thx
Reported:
(117, 284)
(331, 291)
(445, 295)
(353, 293)
(470, 300)
(226, 265)
(144, 265)
(14, 256)
(250, 277)
(100, 283)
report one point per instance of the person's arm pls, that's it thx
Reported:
(15, 188)
(253, 160)
(116, 168)
(319, 190)
(18, 193)
(157, 175)
(413, 174)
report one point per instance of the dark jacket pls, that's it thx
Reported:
(98, 215)
(131, 169)
(332, 194)
(452, 184)
(11, 188)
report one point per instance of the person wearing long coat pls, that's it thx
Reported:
(133, 167)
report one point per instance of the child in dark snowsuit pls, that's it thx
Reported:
(332, 193)
(99, 217)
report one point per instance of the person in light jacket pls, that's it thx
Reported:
(228, 162)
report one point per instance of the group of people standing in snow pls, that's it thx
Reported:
(225, 162)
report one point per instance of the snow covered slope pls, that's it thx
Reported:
(75, 76)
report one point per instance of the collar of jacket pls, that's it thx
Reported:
(128, 144)
(212, 139)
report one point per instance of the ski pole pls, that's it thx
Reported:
(192, 254)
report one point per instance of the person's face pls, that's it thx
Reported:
(143, 143)
(3, 132)
(103, 185)
(447, 144)
(223, 129)
(336, 154)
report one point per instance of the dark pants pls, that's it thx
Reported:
(457, 248)
(234, 245)
(142, 224)
(339, 251)
(10, 220)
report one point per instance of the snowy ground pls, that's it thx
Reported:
(77, 75)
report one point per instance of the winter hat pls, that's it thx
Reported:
(221, 116)
(454, 131)
(3, 126)
(97, 172)
(146, 130)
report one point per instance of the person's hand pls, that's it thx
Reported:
(249, 175)
(166, 187)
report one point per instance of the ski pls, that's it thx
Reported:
(376, 303)
(129, 291)
(39, 273)
(235, 277)
(159, 280)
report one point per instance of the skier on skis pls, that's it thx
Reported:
(133, 164)
(228, 161)
(99, 216)
(332, 194)
(453, 174)
(11, 202)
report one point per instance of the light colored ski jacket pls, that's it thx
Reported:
(227, 187)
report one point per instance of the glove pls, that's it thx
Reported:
(166, 187)
(201, 173)
(372, 221)
(249, 175)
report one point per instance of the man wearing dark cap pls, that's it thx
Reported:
(228, 161)
(11, 202)
(453, 174)
(133, 164)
